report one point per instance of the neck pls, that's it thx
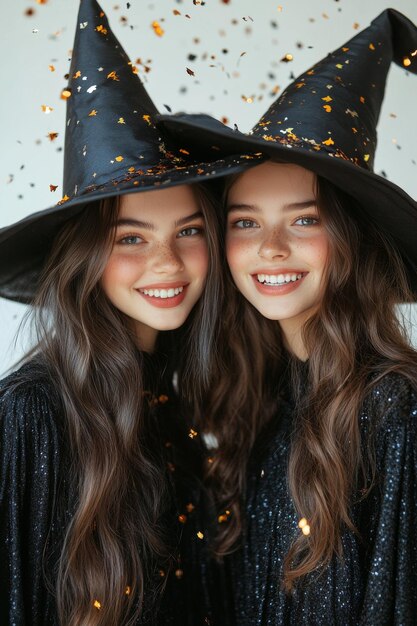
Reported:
(293, 339)
(146, 338)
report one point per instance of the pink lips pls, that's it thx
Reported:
(278, 289)
(164, 303)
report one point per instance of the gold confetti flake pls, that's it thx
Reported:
(200, 535)
(77, 74)
(328, 142)
(223, 517)
(122, 121)
(406, 62)
(339, 66)
(287, 58)
(351, 113)
(183, 151)
(147, 119)
(366, 157)
(362, 99)
(356, 25)
(52, 68)
(53, 187)
(64, 199)
(371, 46)
(182, 518)
(179, 573)
(248, 99)
(92, 113)
(176, 12)
(327, 99)
(303, 525)
(161, 573)
(41, 1)
(46, 109)
(97, 604)
(327, 108)
(193, 433)
(52, 136)
(113, 75)
(345, 49)
(65, 94)
(101, 29)
(157, 29)
(128, 591)
(190, 507)
(119, 158)
(299, 85)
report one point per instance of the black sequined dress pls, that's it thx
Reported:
(376, 582)
(37, 501)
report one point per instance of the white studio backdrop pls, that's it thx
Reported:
(235, 50)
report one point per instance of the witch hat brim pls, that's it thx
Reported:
(112, 147)
(326, 121)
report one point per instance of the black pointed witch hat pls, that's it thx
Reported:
(326, 121)
(112, 147)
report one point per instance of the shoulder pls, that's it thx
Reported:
(28, 401)
(389, 411)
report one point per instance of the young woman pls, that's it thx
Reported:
(98, 467)
(87, 512)
(321, 394)
(331, 487)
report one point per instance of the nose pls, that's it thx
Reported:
(166, 260)
(275, 245)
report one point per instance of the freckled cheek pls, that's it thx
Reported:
(121, 269)
(239, 253)
(196, 261)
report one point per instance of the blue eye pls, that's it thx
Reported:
(245, 223)
(190, 231)
(307, 220)
(130, 240)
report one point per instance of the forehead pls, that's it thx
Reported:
(279, 181)
(172, 201)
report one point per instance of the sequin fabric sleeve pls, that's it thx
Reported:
(30, 464)
(388, 518)
(375, 584)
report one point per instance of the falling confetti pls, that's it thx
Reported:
(53, 187)
(52, 136)
(46, 109)
(190, 72)
(287, 58)
(157, 29)
(92, 113)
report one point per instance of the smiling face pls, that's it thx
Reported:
(277, 247)
(158, 265)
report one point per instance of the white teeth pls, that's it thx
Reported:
(278, 279)
(162, 293)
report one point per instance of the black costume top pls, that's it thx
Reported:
(376, 582)
(37, 502)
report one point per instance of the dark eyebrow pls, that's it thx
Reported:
(290, 207)
(129, 221)
(193, 216)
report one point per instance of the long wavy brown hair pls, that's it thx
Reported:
(115, 535)
(353, 340)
